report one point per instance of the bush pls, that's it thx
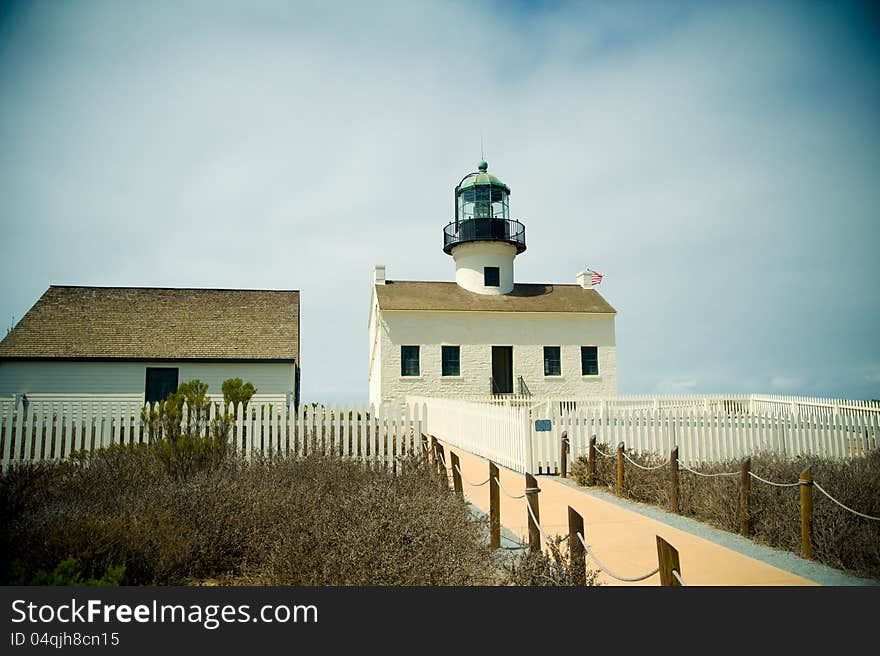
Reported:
(315, 520)
(182, 433)
(66, 573)
(840, 539)
(235, 391)
(548, 568)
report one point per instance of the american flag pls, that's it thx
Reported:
(597, 277)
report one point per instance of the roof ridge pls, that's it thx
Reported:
(194, 289)
(452, 282)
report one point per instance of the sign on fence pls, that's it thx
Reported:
(543, 425)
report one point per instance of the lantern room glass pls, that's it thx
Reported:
(483, 202)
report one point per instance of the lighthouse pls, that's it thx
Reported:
(486, 334)
(482, 239)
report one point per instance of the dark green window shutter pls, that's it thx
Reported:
(451, 360)
(409, 360)
(589, 360)
(552, 361)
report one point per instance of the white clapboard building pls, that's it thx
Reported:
(486, 333)
(139, 343)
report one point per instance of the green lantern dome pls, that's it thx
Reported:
(482, 177)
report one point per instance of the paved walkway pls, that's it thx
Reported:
(623, 539)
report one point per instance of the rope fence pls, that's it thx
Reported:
(537, 532)
(469, 482)
(661, 465)
(855, 512)
(692, 471)
(750, 473)
(670, 575)
(745, 475)
(627, 579)
(764, 480)
(504, 489)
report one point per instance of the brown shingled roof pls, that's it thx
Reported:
(448, 296)
(153, 323)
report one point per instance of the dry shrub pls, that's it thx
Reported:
(276, 521)
(548, 568)
(840, 538)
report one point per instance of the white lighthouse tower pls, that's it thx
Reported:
(483, 239)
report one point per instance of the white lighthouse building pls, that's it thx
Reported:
(486, 333)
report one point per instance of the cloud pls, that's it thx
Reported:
(715, 161)
(786, 382)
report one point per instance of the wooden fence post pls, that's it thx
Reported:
(494, 508)
(456, 476)
(433, 450)
(806, 481)
(532, 490)
(425, 448)
(744, 490)
(576, 554)
(441, 468)
(619, 489)
(591, 462)
(667, 555)
(673, 481)
(563, 456)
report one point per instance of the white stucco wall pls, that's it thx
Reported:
(476, 333)
(472, 257)
(130, 377)
(375, 373)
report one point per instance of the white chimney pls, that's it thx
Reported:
(585, 279)
(379, 274)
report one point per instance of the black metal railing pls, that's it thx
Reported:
(499, 386)
(523, 388)
(507, 230)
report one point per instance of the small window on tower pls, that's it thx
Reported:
(492, 276)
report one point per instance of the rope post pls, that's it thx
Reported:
(456, 476)
(806, 481)
(619, 488)
(532, 490)
(745, 467)
(576, 553)
(667, 555)
(494, 508)
(441, 468)
(673, 480)
(563, 455)
(591, 463)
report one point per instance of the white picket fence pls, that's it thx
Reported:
(507, 434)
(51, 430)
(493, 432)
(728, 403)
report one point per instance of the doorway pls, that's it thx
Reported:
(502, 370)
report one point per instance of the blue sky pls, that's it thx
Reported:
(718, 162)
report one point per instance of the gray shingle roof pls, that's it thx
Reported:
(448, 296)
(157, 323)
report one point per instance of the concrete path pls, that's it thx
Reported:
(624, 540)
